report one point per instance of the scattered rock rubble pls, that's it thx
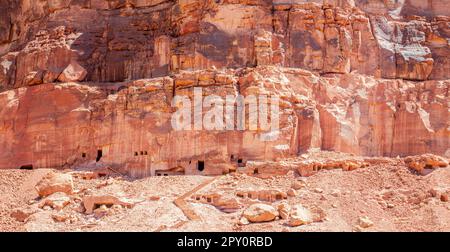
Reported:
(425, 163)
(81, 200)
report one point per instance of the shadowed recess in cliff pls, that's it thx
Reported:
(128, 48)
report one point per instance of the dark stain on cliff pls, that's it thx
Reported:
(214, 44)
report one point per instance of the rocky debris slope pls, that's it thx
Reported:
(385, 196)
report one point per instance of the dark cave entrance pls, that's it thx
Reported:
(201, 165)
(240, 162)
(99, 155)
(26, 167)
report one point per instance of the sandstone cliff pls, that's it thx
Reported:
(131, 39)
(58, 125)
(93, 80)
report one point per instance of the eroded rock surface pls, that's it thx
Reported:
(127, 126)
(122, 40)
(90, 83)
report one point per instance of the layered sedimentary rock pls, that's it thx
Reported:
(92, 81)
(130, 39)
(128, 125)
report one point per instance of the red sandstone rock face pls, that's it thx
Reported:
(131, 127)
(123, 40)
(376, 79)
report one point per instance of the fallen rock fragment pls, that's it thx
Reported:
(423, 164)
(284, 210)
(243, 221)
(55, 182)
(299, 216)
(73, 72)
(365, 222)
(22, 214)
(260, 213)
(56, 201)
(336, 193)
(291, 192)
(433, 192)
(318, 190)
(444, 197)
(154, 198)
(297, 185)
(62, 217)
(101, 211)
(227, 205)
(95, 201)
(318, 214)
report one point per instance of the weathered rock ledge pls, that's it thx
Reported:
(127, 125)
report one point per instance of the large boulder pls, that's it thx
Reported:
(260, 213)
(55, 182)
(73, 72)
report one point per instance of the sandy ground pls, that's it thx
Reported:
(390, 195)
